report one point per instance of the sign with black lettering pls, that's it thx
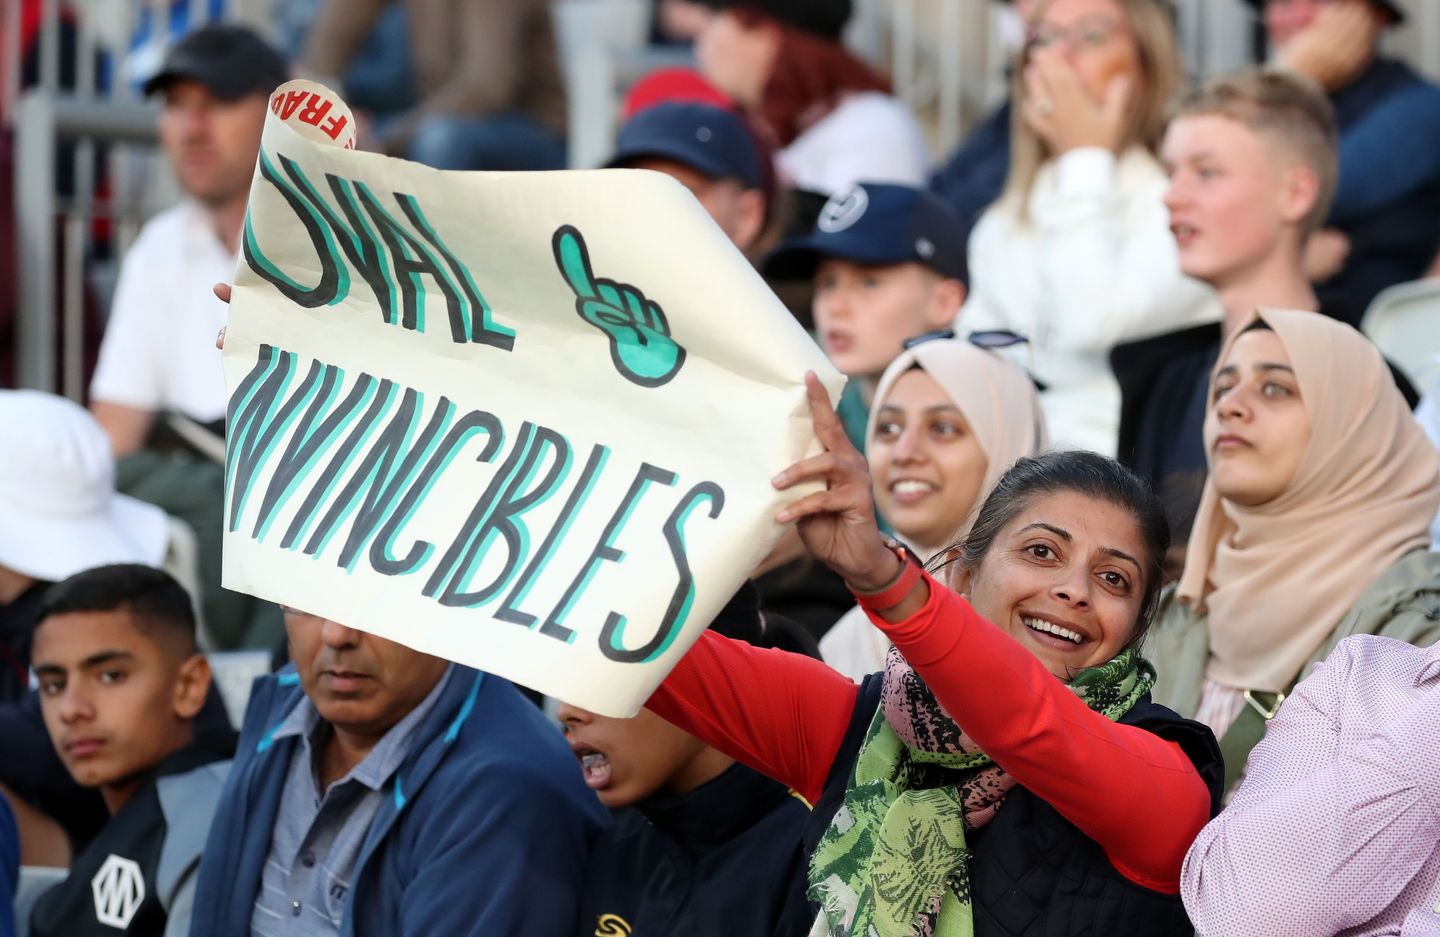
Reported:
(523, 421)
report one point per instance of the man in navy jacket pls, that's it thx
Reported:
(381, 791)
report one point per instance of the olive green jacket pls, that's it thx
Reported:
(1403, 604)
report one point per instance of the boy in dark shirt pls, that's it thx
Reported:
(701, 845)
(121, 680)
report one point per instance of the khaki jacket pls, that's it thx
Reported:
(1403, 604)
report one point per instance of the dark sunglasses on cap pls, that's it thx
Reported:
(991, 340)
(995, 338)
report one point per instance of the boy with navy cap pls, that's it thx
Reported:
(888, 264)
(711, 152)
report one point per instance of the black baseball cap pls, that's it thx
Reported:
(825, 18)
(877, 223)
(232, 61)
(708, 139)
(1397, 15)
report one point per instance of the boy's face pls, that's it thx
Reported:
(864, 314)
(116, 701)
(1227, 197)
(624, 761)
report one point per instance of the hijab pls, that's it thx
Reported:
(997, 399)
(1276, 578)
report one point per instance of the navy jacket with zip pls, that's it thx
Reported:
(485, 830)
(724, 859)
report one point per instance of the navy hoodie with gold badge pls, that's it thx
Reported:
(724, 859)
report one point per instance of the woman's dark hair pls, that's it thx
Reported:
(1084, 473)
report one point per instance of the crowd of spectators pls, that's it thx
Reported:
(1118, 614)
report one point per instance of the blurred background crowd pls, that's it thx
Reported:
(1050, 222)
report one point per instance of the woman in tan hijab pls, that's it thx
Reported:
(949, 418)
(1313, 525)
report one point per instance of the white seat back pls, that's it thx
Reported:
(234, 672)
(1404, 322)
(35, 880)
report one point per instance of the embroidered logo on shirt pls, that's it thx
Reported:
(843, 210)
(118, 888)
(612, 925)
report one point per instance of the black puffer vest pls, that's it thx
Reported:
(1033, 873)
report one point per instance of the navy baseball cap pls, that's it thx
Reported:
(231, 61)
(708, 139)
(877, 223)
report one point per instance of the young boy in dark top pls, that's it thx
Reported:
(121, 680)
(701, 845)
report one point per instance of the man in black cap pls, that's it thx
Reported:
(158, 355)
(708, 150)
(1384, 227)
(158, 368)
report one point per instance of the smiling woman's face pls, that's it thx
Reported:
(1066, 578)
(927, 466)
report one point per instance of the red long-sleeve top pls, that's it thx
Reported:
(1134, 793)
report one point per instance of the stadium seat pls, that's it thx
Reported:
(1404, 322)
(234, 672)
(35, 880)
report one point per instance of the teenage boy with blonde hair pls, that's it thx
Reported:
(1253, 165)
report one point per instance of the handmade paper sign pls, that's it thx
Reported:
(523, 421)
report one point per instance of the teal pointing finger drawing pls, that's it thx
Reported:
(641, 346)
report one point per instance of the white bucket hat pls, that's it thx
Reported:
(59, 512)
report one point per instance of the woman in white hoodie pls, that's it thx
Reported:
(1077, 254)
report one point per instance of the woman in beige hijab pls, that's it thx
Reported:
(948, 420)
(1312, 527)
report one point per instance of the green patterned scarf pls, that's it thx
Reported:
(893, 862)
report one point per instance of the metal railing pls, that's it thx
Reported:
(69, 117)
(52, 279)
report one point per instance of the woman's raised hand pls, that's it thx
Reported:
(837, 525)
(1062, 112)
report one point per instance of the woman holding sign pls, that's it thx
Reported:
(1023, 691)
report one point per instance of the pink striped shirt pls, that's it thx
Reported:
(1336, 827)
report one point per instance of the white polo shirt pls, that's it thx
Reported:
(159, 347)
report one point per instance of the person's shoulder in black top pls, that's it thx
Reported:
(701, 845)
